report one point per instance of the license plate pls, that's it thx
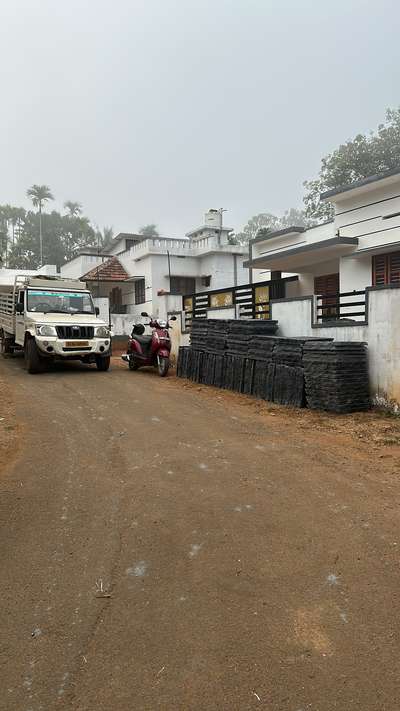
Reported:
(77, 344)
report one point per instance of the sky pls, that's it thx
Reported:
(153, 111)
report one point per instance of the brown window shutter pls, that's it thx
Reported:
(326, 284)
(394, 268)
(379, 270)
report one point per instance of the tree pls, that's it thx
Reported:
(294, 218)
(63, 238)
(5, 218)
(74, 208)
(354, 160)
(105, 237)
(149, 231)
(265, 222)
(40, 194)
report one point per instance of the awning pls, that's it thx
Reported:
(299, 258)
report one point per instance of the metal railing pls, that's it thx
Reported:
(349, 305)
(250, 301)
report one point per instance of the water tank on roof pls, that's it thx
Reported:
(213, 218)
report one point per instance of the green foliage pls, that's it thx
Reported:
(149, 231)
(74, 208)
(39, 194)
(354, 160)
(63, 235)
(265, 222)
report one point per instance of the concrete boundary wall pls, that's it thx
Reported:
(381, 331)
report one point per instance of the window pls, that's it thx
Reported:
(326, 284)
(327, 288)
(223, 298)
(261, 302)
(182, 285)
(140, 291)
(386, 269)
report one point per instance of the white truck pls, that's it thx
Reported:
(51, 318)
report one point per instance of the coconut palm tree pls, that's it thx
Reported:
(40, 194)
(74, 208)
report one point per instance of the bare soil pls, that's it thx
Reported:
(171, 546)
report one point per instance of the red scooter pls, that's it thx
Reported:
(151, 350)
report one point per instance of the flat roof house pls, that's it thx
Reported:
(348, 270)
(359, 248)
(159, 271)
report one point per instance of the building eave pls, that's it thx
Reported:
(294, 230)
(359, 185)
(317, 251)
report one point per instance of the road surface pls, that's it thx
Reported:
(172, 547)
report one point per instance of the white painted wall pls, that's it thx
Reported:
(104, 305)
(271, 245)
(384, 343)
(221, 313)
(79, 266)
(361, 215)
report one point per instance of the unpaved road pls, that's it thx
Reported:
(169, 547)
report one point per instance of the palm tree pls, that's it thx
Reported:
(5, 219)
(74, 208)
(40, 194)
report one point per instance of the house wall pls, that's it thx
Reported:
(79, 266)
(271, 244)
(362, 215)
(382, 333)
(225, 270)
(355, 273)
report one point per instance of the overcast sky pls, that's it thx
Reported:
(155, 110)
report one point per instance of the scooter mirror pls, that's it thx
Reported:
(146, 315)
(173, 318)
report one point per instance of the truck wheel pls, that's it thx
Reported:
(103, 363)
(6, 347)
(163, 367)
(33, 361)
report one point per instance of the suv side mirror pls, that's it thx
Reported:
(19, 308)
(97, 310)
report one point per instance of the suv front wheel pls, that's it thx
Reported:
(34, 363)
(103, 362)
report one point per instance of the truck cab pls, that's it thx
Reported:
(51, 318)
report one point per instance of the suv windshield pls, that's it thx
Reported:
(62, 302)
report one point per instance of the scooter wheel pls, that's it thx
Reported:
(133, 365)
(163, 367)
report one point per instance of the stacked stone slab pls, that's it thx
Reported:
(199, 333)
(336, 376)
(182, 370)
(216, 336)
(242, 356)
(289, 375)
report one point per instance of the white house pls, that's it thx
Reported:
(358, 249)
(153, 274)
(348, 271)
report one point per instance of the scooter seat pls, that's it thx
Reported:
(143, 340)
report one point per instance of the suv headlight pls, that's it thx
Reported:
(46, 330)
(102, 332)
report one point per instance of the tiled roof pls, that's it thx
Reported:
(111, 270)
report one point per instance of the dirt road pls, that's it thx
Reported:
(176, 548)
